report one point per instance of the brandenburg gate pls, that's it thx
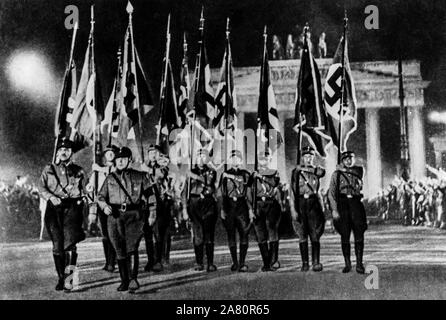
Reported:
(376, 88)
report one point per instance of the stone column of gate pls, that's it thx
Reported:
(241, 144)
(416, 142)
(373, 179)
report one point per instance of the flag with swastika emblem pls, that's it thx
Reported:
(332, 98)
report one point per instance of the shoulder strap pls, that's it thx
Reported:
(53, 168)
(122, 187)
(306, 182)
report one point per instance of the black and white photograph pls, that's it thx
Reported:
(219, 150)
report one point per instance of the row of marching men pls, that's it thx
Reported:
(134, 204)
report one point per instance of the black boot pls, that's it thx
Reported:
(243, 251)
(167, 250)
(359, 249)
(315, 256)
(199, 257)
(264, 252)
(71, 258)
(303, 246)
(274, 255)
(210, 257)
(157, 267)
(233, 251)
(124, 274)
(133, 261)
(59, 262)
(150, 254)
(111, 258)
(106, 246)
(346, 254)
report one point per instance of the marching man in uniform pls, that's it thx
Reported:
(102, 172)
(236, 208)
(62, 186)
(306, 208)
(150, 169)
(348, 211)
(202, 209)
(267, 215)
(123, 198)
(165, 210)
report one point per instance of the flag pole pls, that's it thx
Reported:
(140, 114)
(299, 102)
(227, 96)
(94, 119)
(261, 88)
(164, 81)
(197, 81)
(67, 71)
(115, 94)
(342, 99)
(405, 158)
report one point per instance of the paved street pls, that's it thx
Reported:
(411, 264)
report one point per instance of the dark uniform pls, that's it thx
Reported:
(345, 197)
(202, 211)
(148, 230)
(130, 196)
(236, 202)
(64, 181)
(109, 251)
(161, 230)
(268, 213)
(305, 182)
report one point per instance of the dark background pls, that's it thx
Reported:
(413, 28)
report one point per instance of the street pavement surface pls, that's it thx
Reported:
(402, 263)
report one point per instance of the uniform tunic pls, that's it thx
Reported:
(268, 209)
(63, 222)
(161, 230)
(202, 205)
(125, 224)
(345, 196)
(101, 215)
(236, 200)
(307, 203)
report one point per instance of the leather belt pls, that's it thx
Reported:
(125, 207)
(67, 201)
(350, 196)
(265, 198)
(235, 199)
(307, 196)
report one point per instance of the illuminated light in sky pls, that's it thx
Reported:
(437, 117)
(29, 72)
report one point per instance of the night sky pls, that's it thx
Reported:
(414, 28)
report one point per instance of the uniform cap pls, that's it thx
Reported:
(123, 152)
(153, 147)
(65, 143)
(236, 153)
(308, 150)
(110, 148)
(347, 154)
(265, 155)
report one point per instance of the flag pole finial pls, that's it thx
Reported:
(202, 18)
(184, 42)
(129, 8)
(265, 34)
(168, 25)
(92, 14)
